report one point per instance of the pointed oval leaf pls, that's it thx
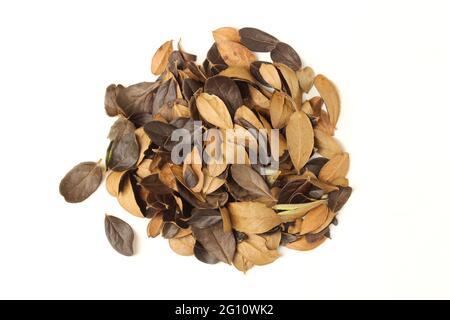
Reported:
(330, 96)
(285, 54)
(257, 40)
(252, 217)
(81, 181)
(120, 235)
(235, 54)
(161, 57)
(300, 139)
(213, 110)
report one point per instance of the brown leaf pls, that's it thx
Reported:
(250, 180)
(218, 243)
(184, 246)
(114, 182)
(303, 245)
(227, 90)
(330, 96)
(123, 153)
(241, 263)
(120, 235)
(226, 219)
(226, 33)
(291, 82)
(235, 54)
(248, 115)
(291, 212)
(300, 139)
(213, 110)
(280, 110)
(326, 145)
(324, 123)
(144, 142)
(240, 73)
(285, 54)
(127, 198)
(266, 74)
(257, 40)
(81, 181)
(255, 250)
(252, 217)
(336, 168)
(272, 240)
(306, 78)
(155, 225)
(161, 58)
(338, 198)
(314, 219)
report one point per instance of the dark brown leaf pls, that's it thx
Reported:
(204, 218)
(111, 107)
(338, 198)
(166, 95)
(154, 185)
(257, 40)
(81, 181)
(203, 255)
(285, 54)
(159, 132)
(120, 235)
(227, 90)
(218, 243)
(124, 150)
(137, 98)
(250, 180)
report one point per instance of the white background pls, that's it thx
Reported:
(390, 60)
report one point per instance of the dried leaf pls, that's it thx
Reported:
(226, 220)
(161, 58)
(300, 139)
(241, 263)
(124, 150)
(218, 243)
(285, 54)
(255, 250)
(155, 225)
(257, 40)
(227, 90)
(314, 219)
(303, 245)
(291, 212)
(203, 255)
(327, 146)
(128, 200)
(213, 110)
(250, 180)
(226, 33)
(120, 235)
(81, 181)
(204, 218)
(184, 246)
(336, 168)
(338, 198)
(280, 110)
(330, 96)
(235, 54)
(114, 182)
(306, 78)
(252, 217)
(159, 132)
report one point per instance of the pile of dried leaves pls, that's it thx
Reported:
(223, 211)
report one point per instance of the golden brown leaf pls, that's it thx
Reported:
(292, 82)
(270, 74)
(303, 245)
(161, 58)
(226, 219)
(144, 142)
(113, 182)
(226, 33)
(272, 240)
(280, 110)
(327, 146)
(127, 198)
(324, 123)
(235, 54)
(247, 114)
(255, 250)
(184, 246)
(213, 110)
(240, 73)
(155, 225)
(330, 96)
(306, 78)
(241, 263)
(144, 170)
(314, 219)
(252, 217)
(336, 168)
(294, 211)
(300, 139)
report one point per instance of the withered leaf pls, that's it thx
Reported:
(154, 185)
(128, 197)
(155, 226)
(252, 217)
(280, 110)
(204, 218)
(213, 110)
(336, 168)
(234, 54)
(165, 96)
(306, 78)
(159, 132)
(183, 246)
(326, 145)
(285, 54)
(114, 182)
(137, 98)
(218, 243)
(300, 139)
(111, 106)
(81, 181)
(314, 219)
(124, 150)
(120, 235)
(161, 57)
(255, 250)
(250, 180)
(338, 198)
(226, 33)
(257, 40)
(241, 263)
(203, 255)
(227, 90)
(190, 87)
(291, 212)
(330, 96)
(316, 164)
(303, 245)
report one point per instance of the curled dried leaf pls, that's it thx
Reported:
(235, 54)
(213, 110)
(300, 139)
(336, 168)
(330, 96)
(184, 246)
(252, 217)
(161, 57)
(226, 33)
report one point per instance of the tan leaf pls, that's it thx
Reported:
(113, 182)
(282, 144)
(183, 233)
(226, 33)
(270, 74)
(296, 227)
(306, 78)
(127, 198)
(258, 99)
(144, 142)
(166, 176)
(292, 82)
(314, 219)
(280, 110)
(252, 217)
(294, 211)
(194, 160)
(255, 250)
(303, 245)
(330, 216)
(327, 146)
(272, 240)
(180, 111)
(213, 110)
(300, 139)
(211, 183)
(324, 123)
(183, 246)
(155, 225)
(336, 168)
(144, 170)
(226, 219)
(240, 73)
(235, 54)
(342, 182)
(247, 114)
(241, 263)
(161, 58)
(330, 96)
